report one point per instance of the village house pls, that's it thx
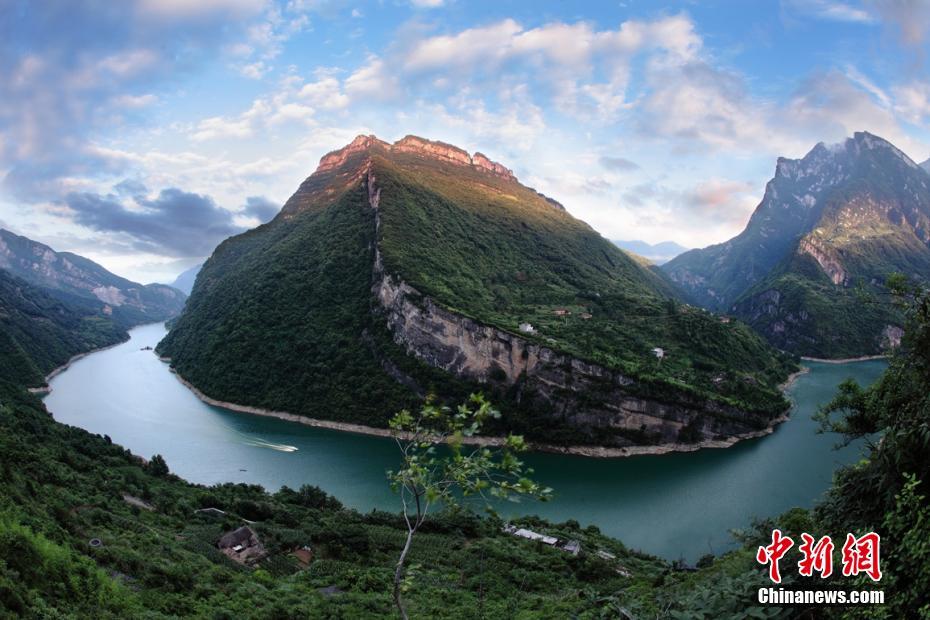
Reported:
(561, 312)
(569, 546)
(304, 555)
(242, 546)
(659, 352)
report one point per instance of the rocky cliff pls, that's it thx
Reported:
(808, 271)
(78, 280)
(600, 402)
(405, 269)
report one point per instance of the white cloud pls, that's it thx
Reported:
(255, 70)
(129, 63)
(185, 9)
(427, 4)
(373, 80)
(325, 93)
(135, 101)
(911, 18)
(830, 10)
(912, 101)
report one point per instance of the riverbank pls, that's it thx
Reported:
(784, 387)
(845, 360)
(577, 450)
(47, 388)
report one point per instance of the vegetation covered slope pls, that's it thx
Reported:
(61, 488)
(39, 332)
(283, 317)
(83, 283)
(154, 556)
(829, 231)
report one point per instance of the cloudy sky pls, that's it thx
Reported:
(142, 132)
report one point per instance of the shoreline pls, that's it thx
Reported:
(789, 382)
(47, 389)
(486, 440)
(844, 360)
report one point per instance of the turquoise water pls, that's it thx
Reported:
(676, 505)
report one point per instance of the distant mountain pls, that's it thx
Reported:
(185, 281)
(926, 165)
(39, 332)
(399, 270)
(807, 272)
(658, 253)
(84, 283)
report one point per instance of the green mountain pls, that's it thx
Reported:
(85, 284)
(399, 270)
(39, 332)
(808, 270)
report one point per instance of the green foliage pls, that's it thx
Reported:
(808, 269)
(908, 527)
(883, 491)
(438, 464)
(157, 466)
(815, 317)
(60, 487)
(438, 468)
(38, 332)
(72, 280)
(283, 317)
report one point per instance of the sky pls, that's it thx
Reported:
(141, 133)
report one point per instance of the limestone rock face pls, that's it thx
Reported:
(69, 275)
(406, 269)
(831, 227)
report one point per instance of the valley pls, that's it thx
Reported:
(129, 395)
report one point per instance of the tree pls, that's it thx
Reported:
(158, 466)
(437, 468)
(886, 489)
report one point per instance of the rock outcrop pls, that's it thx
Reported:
(417, 146)
(602, 402)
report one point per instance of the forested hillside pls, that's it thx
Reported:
(503, 289)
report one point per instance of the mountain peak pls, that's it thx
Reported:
(826, 160)
(418, 146)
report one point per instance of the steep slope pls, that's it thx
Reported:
(82, 282)
(807, 272)
(398, 270)
(39, 332)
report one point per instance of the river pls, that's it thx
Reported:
(674, 506)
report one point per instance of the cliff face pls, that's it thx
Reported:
(593, 399)
(830, 229)
(598, 402)
(399, 270)
(70, 276)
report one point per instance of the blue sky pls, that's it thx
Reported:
(140, 133)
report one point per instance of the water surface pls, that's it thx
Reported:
(676, 505)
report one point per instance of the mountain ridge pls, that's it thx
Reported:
(842, 217)
(453, 277)
(82, 282)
